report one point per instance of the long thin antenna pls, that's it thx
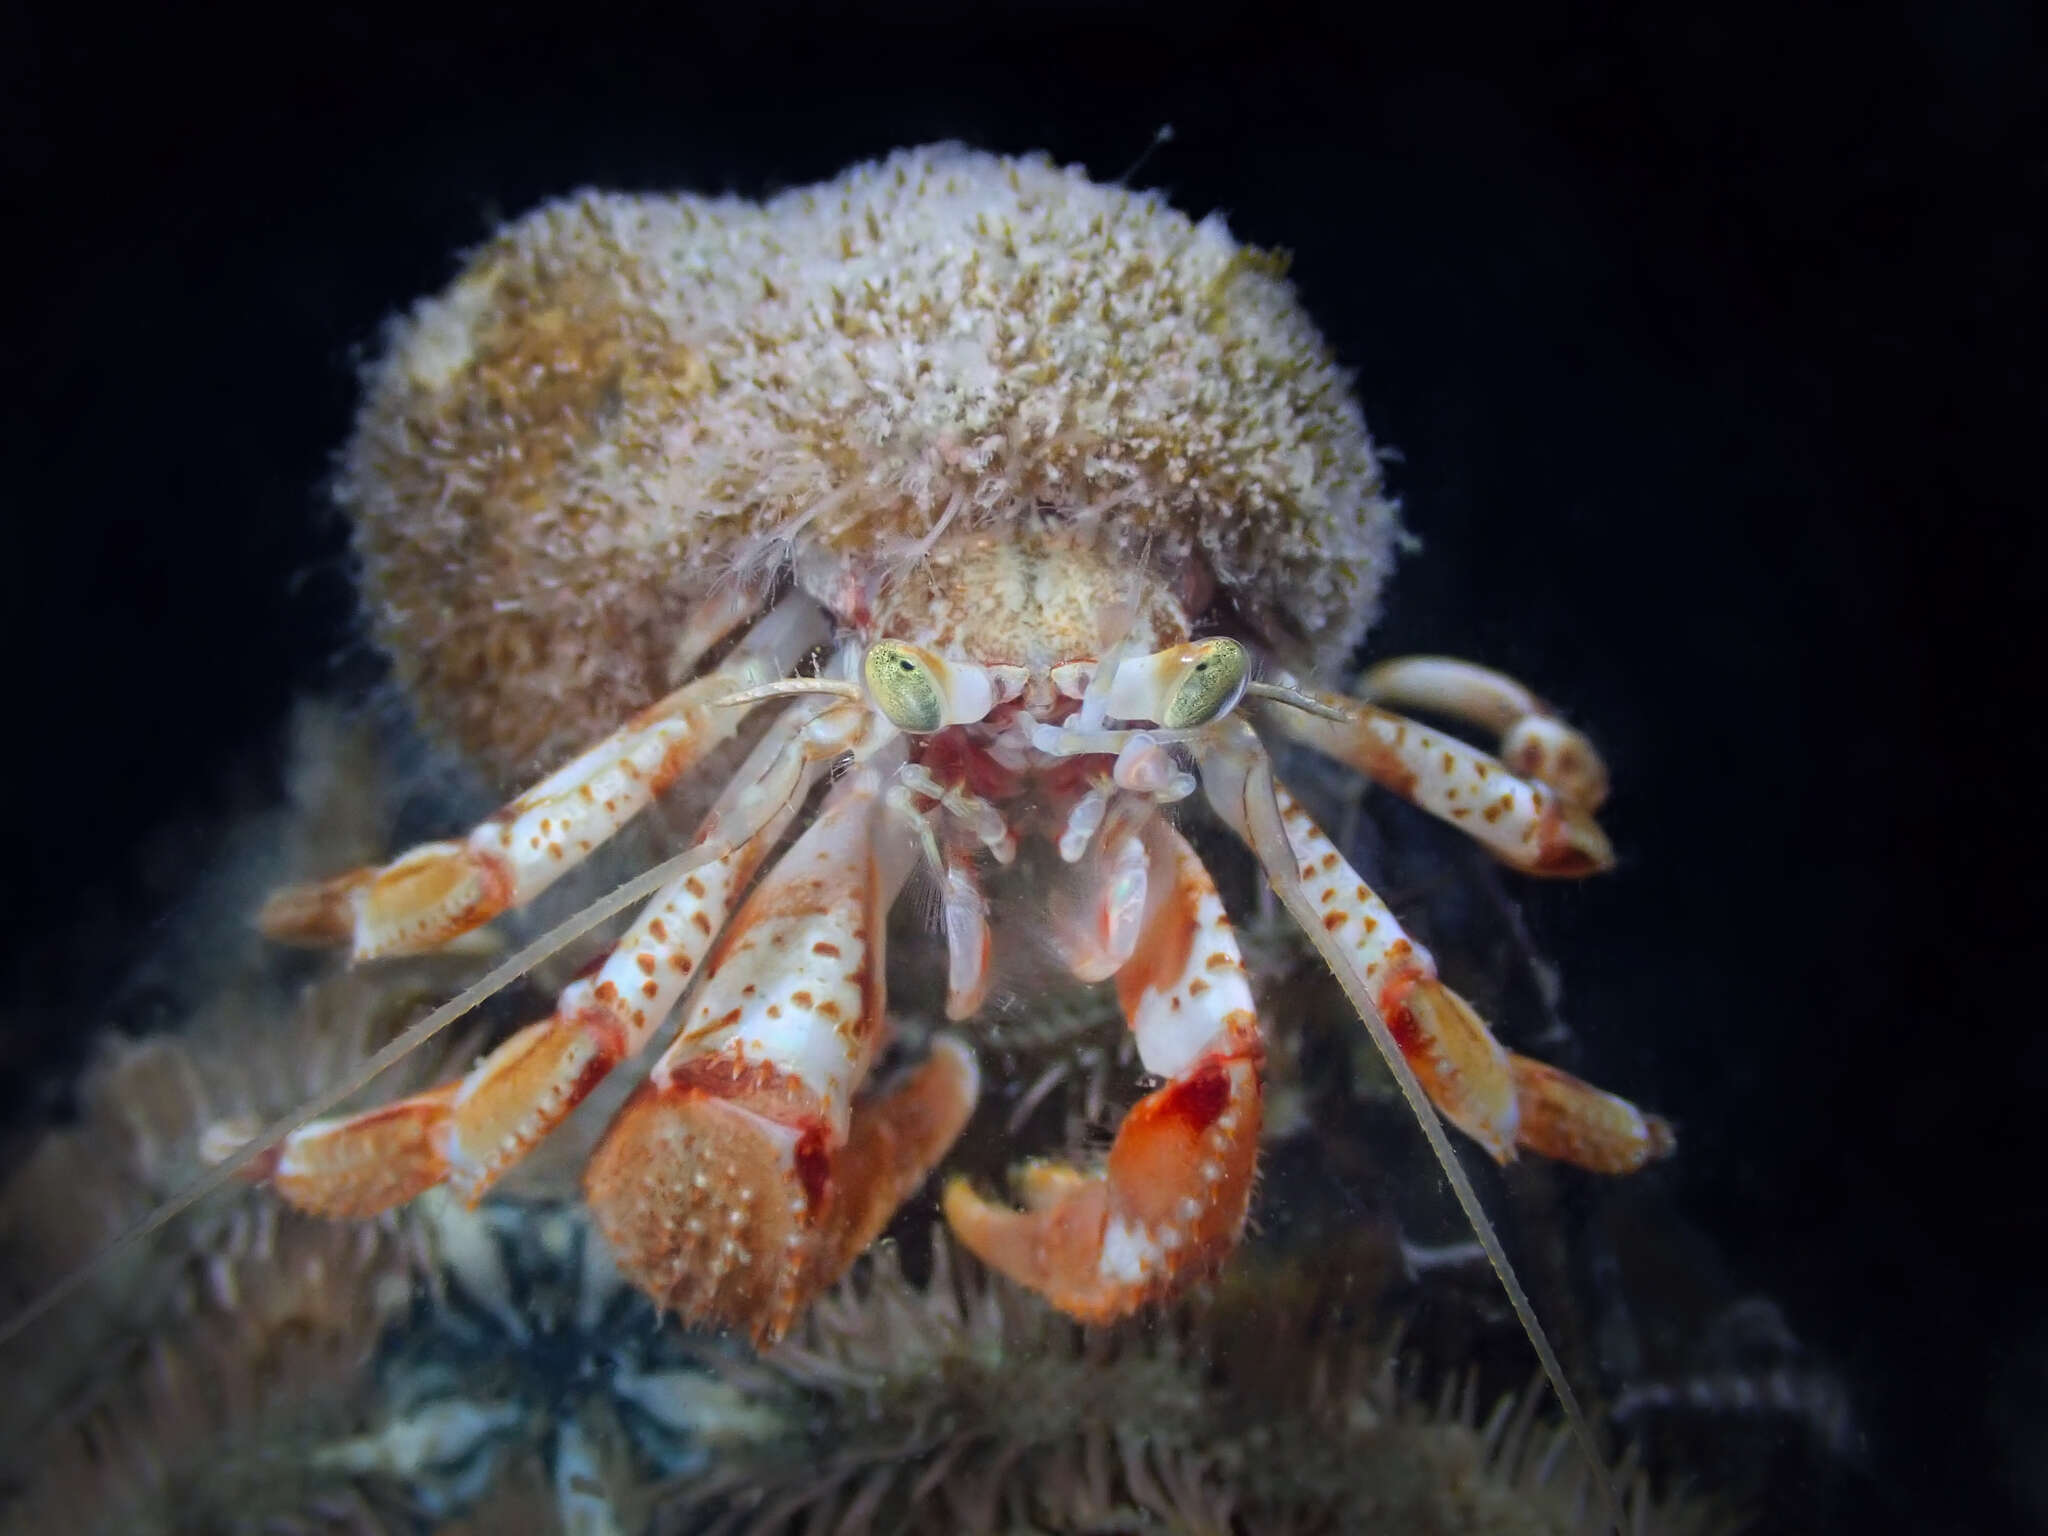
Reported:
(1162, 137)
(414, 1036)
(1263, 828)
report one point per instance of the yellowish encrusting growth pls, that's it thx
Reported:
(626, 399)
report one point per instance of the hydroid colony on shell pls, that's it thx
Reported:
(1015, 507)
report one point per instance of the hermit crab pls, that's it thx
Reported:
(1025, 511)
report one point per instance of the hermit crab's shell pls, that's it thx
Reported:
(626, 399)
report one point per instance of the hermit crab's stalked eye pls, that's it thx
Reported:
(920, 692)
(1182, 687)
(1213, 682)
(905, 685)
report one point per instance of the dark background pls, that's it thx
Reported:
(1707, 344)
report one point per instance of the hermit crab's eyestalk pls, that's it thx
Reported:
(1182, 687)
(921, 692)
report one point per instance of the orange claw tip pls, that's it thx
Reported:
(1053, 1249)
(894, 1140)
(1662, 1138)
(1042, 1182)
(365, 1165)
(1572, 845)
(1166, 1208)
(1573, 1122)
(316, 915)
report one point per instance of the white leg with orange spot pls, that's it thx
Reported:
(470, 1132)
(1237, 776)
(743, 1176)
(1502, 1100)
(438, 891)
(1522, 823)
(1460, 1064)
(1169, 1204)
(1534, 741)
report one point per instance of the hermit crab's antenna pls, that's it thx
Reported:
(1238, 776)
(1160, 139)
(414, 1036)
(1279, 693)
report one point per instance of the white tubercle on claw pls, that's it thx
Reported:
(1132, 1253)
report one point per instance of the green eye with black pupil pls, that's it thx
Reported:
(1211, 686)
(904, 687)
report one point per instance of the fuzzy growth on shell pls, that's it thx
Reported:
(625, 399)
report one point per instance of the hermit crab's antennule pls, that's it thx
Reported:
(1118, 629)
(1237, 777)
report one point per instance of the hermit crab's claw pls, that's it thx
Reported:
(735, 1218)
(1170, 1201)
(897, 1138)
(1167, 1207)
(743, 1178)
(1438, 1051)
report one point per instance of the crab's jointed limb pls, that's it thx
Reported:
(1169, 1204)
(1237, 776)
(745, 1176)
(471, 1131)
(1529, 825)
(1503, 1100)
(438, 891)
(1534, 741)
(963, 911)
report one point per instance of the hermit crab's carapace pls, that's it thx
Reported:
(1021, 508)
